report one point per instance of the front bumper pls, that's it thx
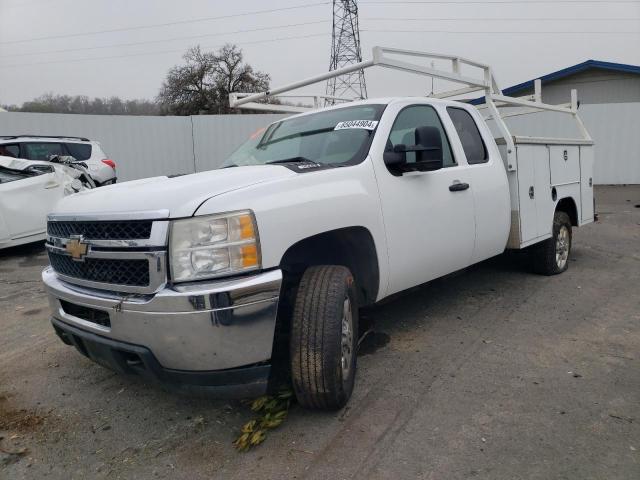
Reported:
(204, 333)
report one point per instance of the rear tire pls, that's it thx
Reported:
(323, 338)
(551, 257)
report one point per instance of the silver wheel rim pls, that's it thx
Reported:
(347, 339)
(563, 243)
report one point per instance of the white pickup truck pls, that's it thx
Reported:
(209, 280)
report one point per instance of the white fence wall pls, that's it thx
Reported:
(149, 146)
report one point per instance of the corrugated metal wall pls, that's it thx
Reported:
(149, 146)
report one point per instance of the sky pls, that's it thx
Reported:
(125, 47)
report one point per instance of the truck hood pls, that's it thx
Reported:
(181, 196)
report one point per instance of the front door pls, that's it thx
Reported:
(429, 224)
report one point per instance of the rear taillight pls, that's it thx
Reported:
(111, 163)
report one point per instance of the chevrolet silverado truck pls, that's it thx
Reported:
(221, 280)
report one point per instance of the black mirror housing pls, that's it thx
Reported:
(430, 157)
(428, 150)
(395, 160)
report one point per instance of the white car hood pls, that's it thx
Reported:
(18, 163)
(181, 196)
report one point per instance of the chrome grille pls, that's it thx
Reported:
(128, 272)
(118, 230)
(119, 252)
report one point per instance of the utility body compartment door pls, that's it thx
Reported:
(565, 164)
(586, 183)
(534, 193)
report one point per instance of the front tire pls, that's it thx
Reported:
(324, 338)
(551, 256)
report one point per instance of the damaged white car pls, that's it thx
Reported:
(29, 190)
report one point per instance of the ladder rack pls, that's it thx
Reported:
(403, 60)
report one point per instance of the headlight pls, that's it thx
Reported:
(214, 245)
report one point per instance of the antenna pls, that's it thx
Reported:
(345, 50)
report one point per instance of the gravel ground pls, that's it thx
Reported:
(491, 373)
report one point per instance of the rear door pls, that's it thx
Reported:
(25, 201)
(488, 182)
(429, 225)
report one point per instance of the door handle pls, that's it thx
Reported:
(458, 187)
(51, 185)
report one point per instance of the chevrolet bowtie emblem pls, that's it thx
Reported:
(76, 248)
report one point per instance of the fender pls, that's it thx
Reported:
(307, 204)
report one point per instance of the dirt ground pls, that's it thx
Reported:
(491, 373)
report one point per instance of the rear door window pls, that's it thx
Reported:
(79, 151)
(42, 151)
(472, 143)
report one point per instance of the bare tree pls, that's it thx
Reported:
(203, 84)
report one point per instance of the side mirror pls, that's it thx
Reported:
(429, 157)
(35, 170)
(428, 150)
(395, 160)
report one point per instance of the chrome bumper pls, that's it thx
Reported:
(203, 326)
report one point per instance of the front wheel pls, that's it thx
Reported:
(324, 338)
(551, 256)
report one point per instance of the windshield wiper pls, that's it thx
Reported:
(262, 145)
(292, 160)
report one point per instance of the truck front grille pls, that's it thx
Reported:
(118, 230)
(127, 272)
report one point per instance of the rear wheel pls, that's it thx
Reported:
(552, 256)
(323, 338)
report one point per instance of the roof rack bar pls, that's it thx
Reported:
(234, 101)
(70, 137)
(509, 101)
(441, 56)
(432, 72)
(494, 98)
(459, 91)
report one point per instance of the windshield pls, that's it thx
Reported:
(335, 137)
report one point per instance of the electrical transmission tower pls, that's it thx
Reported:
(345, 50)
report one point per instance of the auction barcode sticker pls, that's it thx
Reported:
(366, 124)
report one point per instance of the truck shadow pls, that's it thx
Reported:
(415, 308)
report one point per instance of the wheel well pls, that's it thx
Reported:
(352, 247)
(568, 206)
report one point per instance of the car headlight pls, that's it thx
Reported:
(213, 246)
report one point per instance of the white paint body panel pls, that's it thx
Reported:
(180, 195)
(25, 203)
(298, 206)
(430, 230)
